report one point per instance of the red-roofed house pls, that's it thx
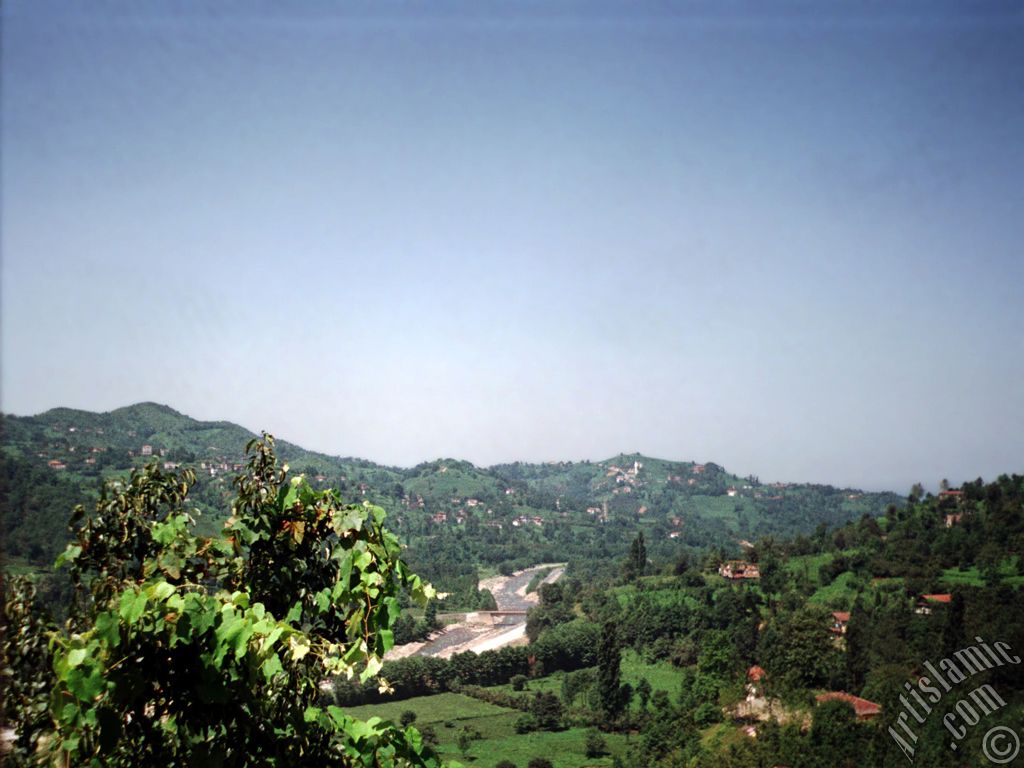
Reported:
(864, 709)
(839, 621)
(754, 677)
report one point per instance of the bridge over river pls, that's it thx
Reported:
(492, 618)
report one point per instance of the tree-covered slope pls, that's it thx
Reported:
(445, 509)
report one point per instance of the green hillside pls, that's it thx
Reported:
(447, 511)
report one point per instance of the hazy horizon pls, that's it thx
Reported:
(776, 237)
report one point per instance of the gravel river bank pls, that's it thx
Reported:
(476, 631)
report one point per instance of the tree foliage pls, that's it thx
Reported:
(612, 694)
(184, 650)
(636, 562)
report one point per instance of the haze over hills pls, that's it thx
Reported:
(542, 508)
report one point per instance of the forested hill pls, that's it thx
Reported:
(508, 513)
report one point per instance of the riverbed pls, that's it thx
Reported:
(471, 633)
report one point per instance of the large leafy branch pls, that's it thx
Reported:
(186, 650)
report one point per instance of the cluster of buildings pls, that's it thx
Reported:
(758, 706)
(625, 478)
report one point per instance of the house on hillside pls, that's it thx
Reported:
(954, 518)
(755, 686)
(56, 464)
(839, 621)
(738, 570)
(862, 708)
(927, 602)
(147, 450)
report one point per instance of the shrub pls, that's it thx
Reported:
(429, 735)
(547, 710)
(539, 762)
(526, 723)
(519, 682)
(594, 744)
(707, 714)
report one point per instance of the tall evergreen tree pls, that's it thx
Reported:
(611, 693)
(636, 562)
(430, 616)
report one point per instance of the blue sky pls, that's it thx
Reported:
(781, 238)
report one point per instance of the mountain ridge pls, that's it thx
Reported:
(66, 413)
(514, 511)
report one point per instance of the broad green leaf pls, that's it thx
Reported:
(68, 555)
(271, 667)
(161, 590)
(373, 666)
(323, 600)
(132, 606)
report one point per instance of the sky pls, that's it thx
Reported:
(783, 237)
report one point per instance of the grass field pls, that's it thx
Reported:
(811, 564)
(437, 710)
(449, 713)
(563, 748)
(972, 577)
(661, 675)
(839, 594)
(625, 595)
(724, 508)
